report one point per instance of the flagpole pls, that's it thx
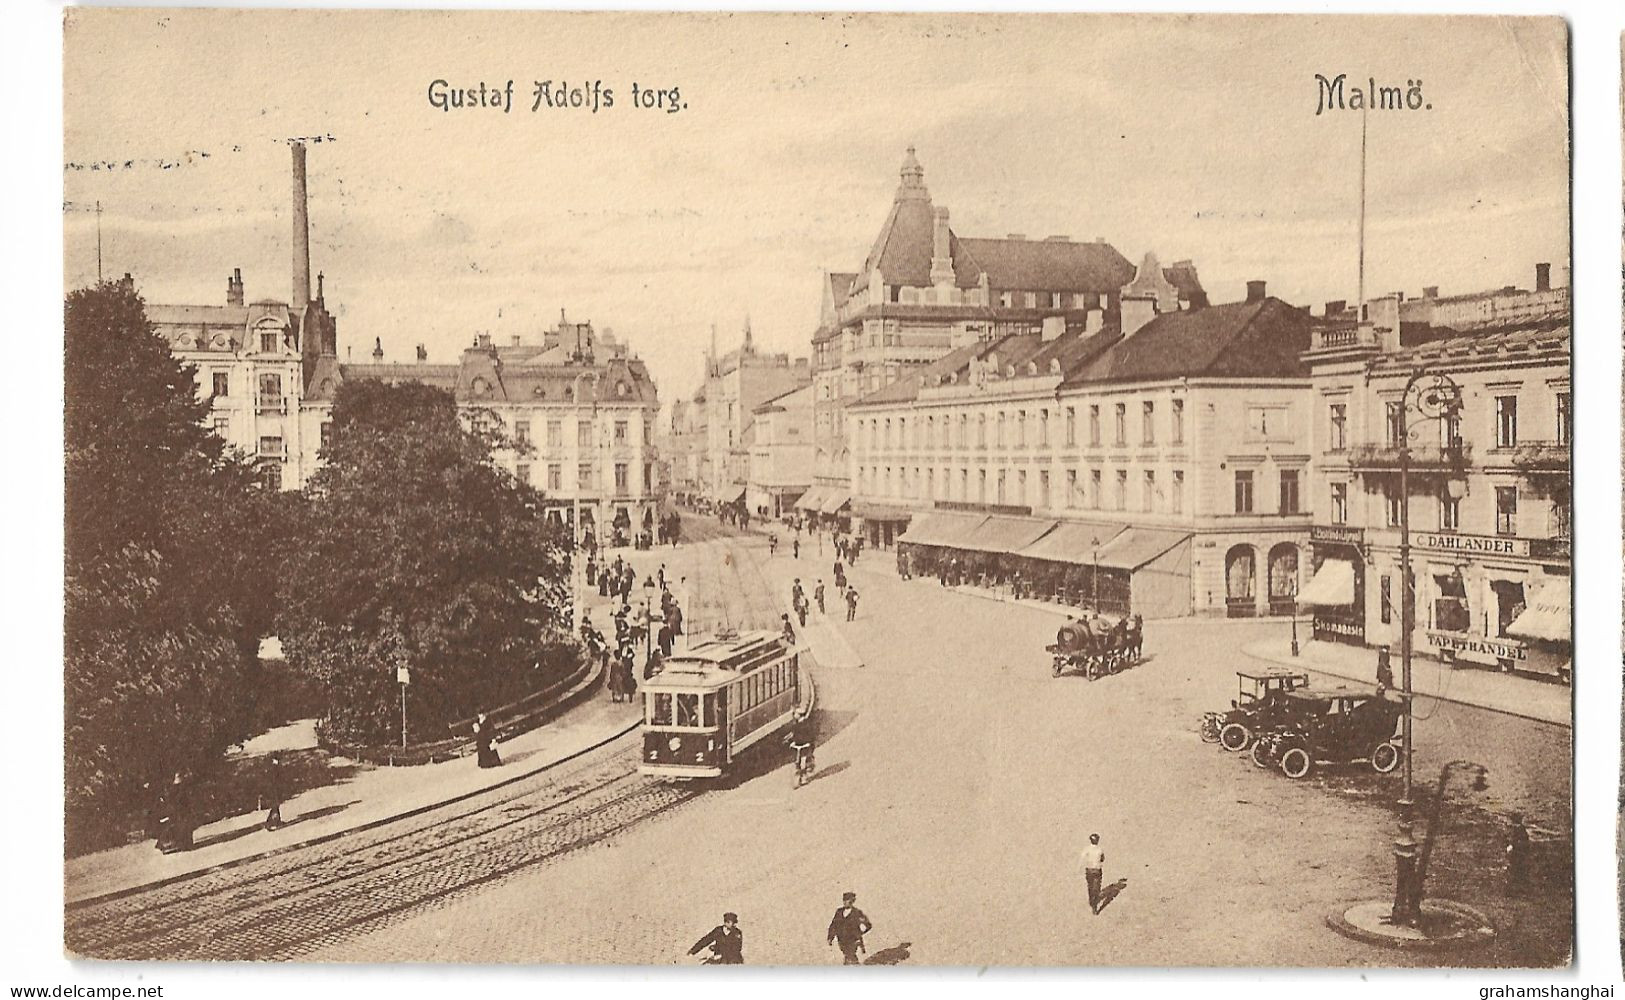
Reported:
(1359, 305)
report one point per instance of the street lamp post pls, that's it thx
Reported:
(1094, 577)
(1438, 397)
(648, 617)
(576, 570)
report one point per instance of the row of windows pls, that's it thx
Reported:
(1041, 491)
(766, 683)
(1449, 510)
(1287, 495)
(1396, 423)
(585, 476)
(1020, 428)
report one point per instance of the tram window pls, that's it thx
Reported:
(708, 709)
(688, 710)
(660, 710)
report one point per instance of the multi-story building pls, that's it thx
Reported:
(736, 384)
(924, 291)
(781, 452)
(580, 408)
(1163, 459)
(1489, 500)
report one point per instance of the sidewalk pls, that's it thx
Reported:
(1541, 701)
(374, 795)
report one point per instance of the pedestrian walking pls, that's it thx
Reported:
(772, 544)
(786, 629)
(726, 941)
(1385, 670)
(275, 789)
(801, 611)
(1517, 855)
(1094, 861)
(485, 742)
(174, 823)
(818, 595)
(851, 604)
(848, 927)
(795, 546)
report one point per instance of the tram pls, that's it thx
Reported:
(711, 703)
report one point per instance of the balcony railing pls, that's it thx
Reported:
(1342, 337)
(1541, 457)
(1385, 457)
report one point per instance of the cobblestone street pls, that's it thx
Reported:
(957, 781)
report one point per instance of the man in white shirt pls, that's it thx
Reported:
(1094, 859)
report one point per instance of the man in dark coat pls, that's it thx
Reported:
(848, 927)
(1517, 855)
(726, 941)
(275, 790)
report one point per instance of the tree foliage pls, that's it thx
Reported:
(168, 558)
(415, 550)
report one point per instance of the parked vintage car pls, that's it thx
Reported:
(1255, 708)
(1339, 726)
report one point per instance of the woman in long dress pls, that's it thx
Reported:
(485, 743)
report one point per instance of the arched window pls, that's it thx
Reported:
(1240, 581)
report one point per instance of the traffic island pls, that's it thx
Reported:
(1444, 924)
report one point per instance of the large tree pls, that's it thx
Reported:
(168, 559)
(417, 551)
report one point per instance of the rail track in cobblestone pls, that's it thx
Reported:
(288, 905)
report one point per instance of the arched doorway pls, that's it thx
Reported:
(1240, 582)
(1283, 569)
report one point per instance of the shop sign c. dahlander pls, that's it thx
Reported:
(1488, 545)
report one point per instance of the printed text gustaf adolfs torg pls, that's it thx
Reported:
(546, 95)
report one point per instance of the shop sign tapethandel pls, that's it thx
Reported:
(1462, 642)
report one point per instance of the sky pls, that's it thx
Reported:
(1190, 137)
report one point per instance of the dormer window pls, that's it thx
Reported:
(1032, 368)
(621, 389)
(540, 392)
(268, 340)
(480, 386)
(1055, 366)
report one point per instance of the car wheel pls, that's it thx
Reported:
(1296, 762)
(1384, 757)
(1210, 732)
(1235, 737)
(1261, 753)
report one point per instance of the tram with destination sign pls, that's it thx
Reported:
(713, 702)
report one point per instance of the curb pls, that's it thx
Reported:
(1468, 937)
(1318, 667)
(337, 834)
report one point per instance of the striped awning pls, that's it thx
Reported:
(1547, 616)
(834, 501)
(941, 528)
(1138, 546)
(813, 498)
(1073, 542)
(1007, 535)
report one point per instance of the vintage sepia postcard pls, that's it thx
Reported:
(817, 489)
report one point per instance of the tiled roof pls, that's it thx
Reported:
(1040, 265)
(442, 376)
(840, 285)
(1256, 339)
(197, 315)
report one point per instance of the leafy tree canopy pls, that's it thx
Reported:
(417, 551)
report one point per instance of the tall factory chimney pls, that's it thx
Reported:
(301, 234)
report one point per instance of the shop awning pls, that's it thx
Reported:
(1332, 586)
(731, 494)
(1007, 535)
(941, 528)
(880, 511)
(1073, 542)
(834, 501)
(1547, 615)
(813, 498)
(1138, 546)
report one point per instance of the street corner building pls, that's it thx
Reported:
(581, 406)
(1484, 483)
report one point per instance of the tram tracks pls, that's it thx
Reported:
(292, 904)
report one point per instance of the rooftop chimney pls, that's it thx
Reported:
(942, 262)
(1016, 236)
(1057, 239)
(516, 340)
(1053, 327)
(234, 287)
(1135, 312)
(1543, 277)
(319, 281)
(1255, 291)
(1335, 307)
(1430, 292)
(423, 354)
(301, 233)
(377, 349)
(1093, 320)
